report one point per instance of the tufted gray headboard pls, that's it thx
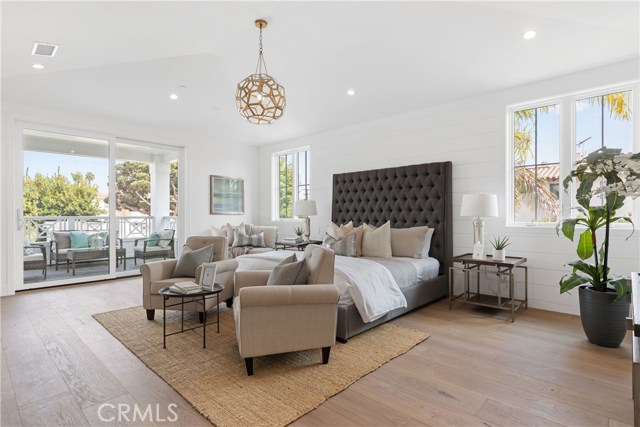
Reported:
(407, 196)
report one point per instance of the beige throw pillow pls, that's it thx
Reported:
(289, 272)
(338, 232)
(270, 234)
(408, 242)
(376, 242)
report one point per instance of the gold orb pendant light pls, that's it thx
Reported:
(259, 97)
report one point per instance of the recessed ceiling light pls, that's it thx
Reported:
(38, 66)
(173, 96)
(351, 92)
(529, 35)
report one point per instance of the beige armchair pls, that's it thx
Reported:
(157, 275)
(280, 319)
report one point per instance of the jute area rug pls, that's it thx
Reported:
(283, 388)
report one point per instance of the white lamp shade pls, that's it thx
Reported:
(305, 208)
(479, 205)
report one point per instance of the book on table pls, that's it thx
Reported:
(185, 288)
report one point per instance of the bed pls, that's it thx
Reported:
(406, 196)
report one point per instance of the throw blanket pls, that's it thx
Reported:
(371, 286)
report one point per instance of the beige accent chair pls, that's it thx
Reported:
(157, 275)
(280, 319)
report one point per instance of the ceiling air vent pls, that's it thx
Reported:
(44, 49)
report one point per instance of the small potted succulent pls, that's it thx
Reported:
(299, 233)
(499, 244)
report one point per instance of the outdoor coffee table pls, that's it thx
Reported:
(198, 298)
(93, 254)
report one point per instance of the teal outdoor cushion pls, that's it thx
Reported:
(79, 239)
(153, 239)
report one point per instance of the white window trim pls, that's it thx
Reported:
(275, 181)
(567, 149)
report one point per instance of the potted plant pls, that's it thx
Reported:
(499, 244)
(299, 232)
(605, 178)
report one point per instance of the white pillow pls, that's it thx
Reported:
(408, 242)
(427, 243)
(376, 242)
(219, 232)
(165, 238)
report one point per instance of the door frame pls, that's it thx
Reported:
(15, 181)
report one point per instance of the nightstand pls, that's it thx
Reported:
(469, 266)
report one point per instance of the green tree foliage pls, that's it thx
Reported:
(285, 195)
(173, 188)
(133, 187)
(57, 195)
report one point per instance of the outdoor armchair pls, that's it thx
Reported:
(161, 246)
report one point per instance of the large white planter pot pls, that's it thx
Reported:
(499, 255)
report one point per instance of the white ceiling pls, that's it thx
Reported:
(121, 60)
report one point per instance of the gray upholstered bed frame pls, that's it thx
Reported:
(407, 196)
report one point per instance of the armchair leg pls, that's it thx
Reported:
(151, 314)
(248, 361)
(229, 302)
(325, 355)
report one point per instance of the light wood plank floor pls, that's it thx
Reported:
(478, 368)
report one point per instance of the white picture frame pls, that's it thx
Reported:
(208, 276)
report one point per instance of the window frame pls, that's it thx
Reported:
(567, 112)
(275, 176)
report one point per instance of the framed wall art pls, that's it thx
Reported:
(227, 195)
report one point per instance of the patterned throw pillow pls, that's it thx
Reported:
(26, 250)
(344, 247)
(240, 238)
(98, 240)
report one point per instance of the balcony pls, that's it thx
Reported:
(39, 232)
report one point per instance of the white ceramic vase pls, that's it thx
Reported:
(499, 255)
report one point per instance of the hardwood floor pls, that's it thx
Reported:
(60, 367)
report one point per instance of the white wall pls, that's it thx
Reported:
(204, 155)
(472, 134)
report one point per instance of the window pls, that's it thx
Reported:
(536, 160)
(547, 138)
(292, 181)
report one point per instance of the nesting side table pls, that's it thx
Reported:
(469, 267)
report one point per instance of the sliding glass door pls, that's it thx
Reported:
(93, 208)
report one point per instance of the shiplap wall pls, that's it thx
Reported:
(472, 134)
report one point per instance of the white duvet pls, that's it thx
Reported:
(370, 285)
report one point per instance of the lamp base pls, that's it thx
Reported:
(478, 251)
(307, 223)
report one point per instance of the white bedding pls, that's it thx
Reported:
(370, 285)
(364, 282)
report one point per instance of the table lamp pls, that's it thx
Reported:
(479, 205)
(305, 208)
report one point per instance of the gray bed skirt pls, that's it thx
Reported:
(350, 323)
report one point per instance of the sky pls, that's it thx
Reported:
(48, 164)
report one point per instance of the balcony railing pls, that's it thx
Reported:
(40, 228)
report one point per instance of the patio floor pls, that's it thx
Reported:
(82, 270)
